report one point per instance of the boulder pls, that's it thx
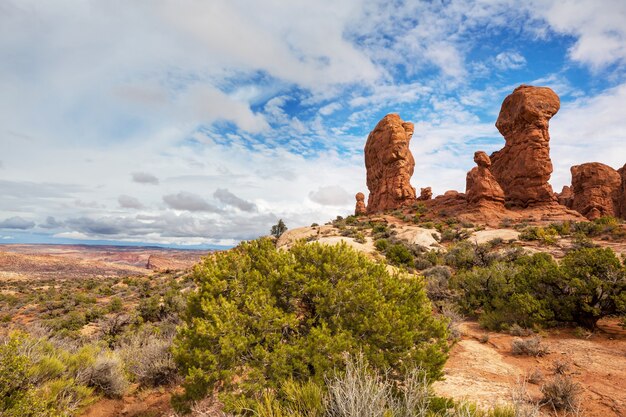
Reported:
(360, 208)
(596, 190)
(480, 184)
(523, 167)
(389, 165)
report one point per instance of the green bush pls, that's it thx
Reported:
(398, 254)
(595, 283)
(294, 315)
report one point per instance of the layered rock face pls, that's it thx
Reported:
(480, 184)
(360, 208)
(597, 190)
(389, 165)
(523, 167)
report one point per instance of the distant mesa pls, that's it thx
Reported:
(511, 183)
(389, 165)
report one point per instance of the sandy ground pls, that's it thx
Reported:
(487, 373)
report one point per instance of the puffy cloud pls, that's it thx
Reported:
(127, 201)
(331, 195)
(509, 60)
(230, 199)
(189, 201)
(16, 222)
(144, 178)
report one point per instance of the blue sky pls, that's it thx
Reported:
(202, 122)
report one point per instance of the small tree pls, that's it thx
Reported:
(596, 283)
(278, 229)
(261, 316)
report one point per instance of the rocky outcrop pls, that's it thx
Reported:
(360, 208)
(596, 190)
(426, 194)
(523, 167)
(565, 196)
(622, 198)
(480, 184)
(389, 165)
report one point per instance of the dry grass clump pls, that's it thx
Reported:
(560, 367)
(529, 347)
(149, 360)
(106, 375)
(519, 331)
(561, 393)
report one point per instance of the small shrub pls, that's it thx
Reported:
(561, 393)
(536, 376)
(381, 244)
(484, 338)
(149, 360)
(560, 367)
(398, 254)
(517, 330)
(106, 375)
(529, 347)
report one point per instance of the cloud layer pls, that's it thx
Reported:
(185, 122)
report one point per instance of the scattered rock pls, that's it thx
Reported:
(360, 208)
(596, 190)
(389, 165)
(523, 167)
(480, 183)
(425, 194)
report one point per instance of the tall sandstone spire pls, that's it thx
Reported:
(389, 165)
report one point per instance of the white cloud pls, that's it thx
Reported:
(598, 26)
(331, 195)
(509, 60)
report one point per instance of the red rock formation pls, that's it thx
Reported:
(596, 190)
(425, 194)
(480, 184)
(389, 165)
(360, 209)
(523, 167)
(622, 197)
(565, 196)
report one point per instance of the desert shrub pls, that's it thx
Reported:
(595, 285)
(359, 237)
(295, 314)
(438, 283)
(519, 331)
(546, 235)
(398, 254)
(561, 393)
(381, 244)
(107, 376)
(503, 294)
(115, 305)
(40, 379)
(528, 347)
(149, 360)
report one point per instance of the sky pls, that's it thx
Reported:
(200, 123)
